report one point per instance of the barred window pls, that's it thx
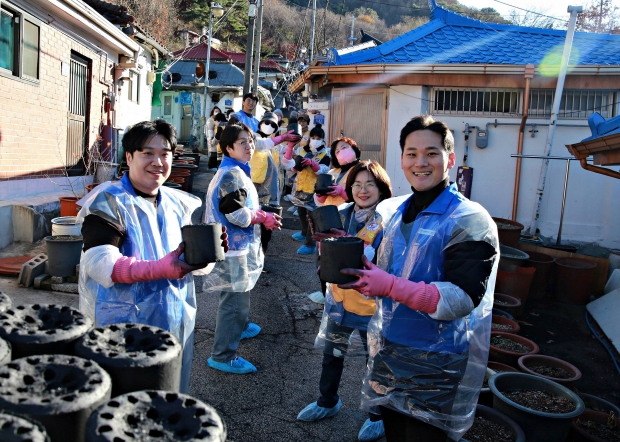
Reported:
(575, 104)
(492, 102)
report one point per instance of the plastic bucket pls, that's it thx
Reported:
(66, 225)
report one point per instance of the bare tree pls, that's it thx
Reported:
(536, 18)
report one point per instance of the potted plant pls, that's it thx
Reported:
(595, 426)
(509, 231)
(503, 324)
(507, 348)
(63, 254)
(495, 425)
(596, 403)
(544, 409)
(507, 303)
(486, 397)
(550, 368)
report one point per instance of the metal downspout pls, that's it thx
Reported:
(529, 74)
(596, 169)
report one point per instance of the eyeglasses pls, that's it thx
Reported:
(245, 142)
(368, 186)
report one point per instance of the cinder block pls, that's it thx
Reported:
(72, 279)
(32, 269)
(46, 284)
(58, 279)
(39, 280)
(65, 288)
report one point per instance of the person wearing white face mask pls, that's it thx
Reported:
(265, 164)
(345, 155)
(316, 160)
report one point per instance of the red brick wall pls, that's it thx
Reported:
(33, 118)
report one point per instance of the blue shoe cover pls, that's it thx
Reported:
(251, 331)
(313, 412)
(305, 250)
(371, 431)
(235, 366)
(298, 237)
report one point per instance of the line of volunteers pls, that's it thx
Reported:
(421, 304)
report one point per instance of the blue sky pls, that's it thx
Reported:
(554, 8)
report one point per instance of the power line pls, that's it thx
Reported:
(532, 12)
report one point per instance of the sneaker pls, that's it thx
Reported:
(292, 209)
(298, 237)
(250, 331)
(295, 213)
(371, 431)
(286, 198)
(305, 250)
(235, 366)
(313, 412)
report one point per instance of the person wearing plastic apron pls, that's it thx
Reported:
(369, 188)
(232, 200)
(265, 164)
(130, 270)
(210, 129)
(316, 161)
(245, 114)
(434, 282)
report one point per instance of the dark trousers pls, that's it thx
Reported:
(405, 428)
(332, 366)
(212, 160)
(305, 226)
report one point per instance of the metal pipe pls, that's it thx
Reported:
(312, 31)
(257, 41)
(568, 44)
(596, 169)
(203, 127)
(558, 241)
(526, 106)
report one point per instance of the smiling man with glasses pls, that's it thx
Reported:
(233, 201)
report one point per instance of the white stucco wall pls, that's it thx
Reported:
(128, 112)
(591, 204)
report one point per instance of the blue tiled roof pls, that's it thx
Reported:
(601, 127)
(452, 38)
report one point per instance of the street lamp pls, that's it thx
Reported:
(216, 10)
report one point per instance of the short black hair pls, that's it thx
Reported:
(220, 117)
(213, 110)
(251, 95)
(427, 122)
(230, 135)
(140, 133)
(317, 131)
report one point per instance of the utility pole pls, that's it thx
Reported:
(312, 32)
(259, 31)
(352, 37)
(249, 47)
(568, 43)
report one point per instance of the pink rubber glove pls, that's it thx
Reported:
(268, 219)
(258, 217)
(338, 190)
(311, 164)
(288, 153)
(333, 233)
(320, 198)
(290, 136)
(374, 281)
(128, 270)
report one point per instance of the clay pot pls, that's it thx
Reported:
(537, 425)
(510, 258)
(16, 428)
(192, 169)
(90, 187)
(543, 265)
(507, 236)
(499, 418)
(500, 368)
(509, 303)
(137, 357)
(155, 415)
(272, 209)
(36, 329)
(68, 206)
(574, 280)
(58, 391)
(511, 358)
(63, 254)
(486, 397)
(194, 156)
(323, 181)
(203, 243)
(516, 284)
(527, 361)
(340, 253)
(496, 319)
(499, 312)
(595, 403)
(172, 185)
(579, 434)
(326, 218)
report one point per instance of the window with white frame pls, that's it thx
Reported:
(575, 104)
(133, 88)
(481, 101)
(19, 44)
